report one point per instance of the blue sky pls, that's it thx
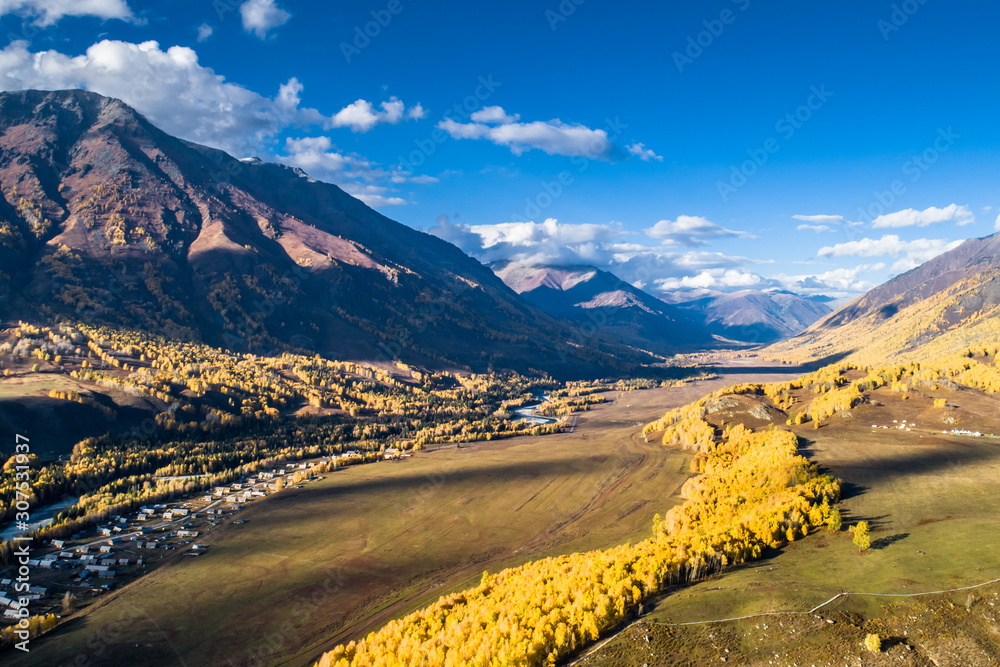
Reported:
(820, 147)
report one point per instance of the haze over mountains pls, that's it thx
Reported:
(597, 299)
(948, 303)
(752, 315)
(106, 218)
(586, 294)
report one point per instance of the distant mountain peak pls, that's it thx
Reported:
(106, 218)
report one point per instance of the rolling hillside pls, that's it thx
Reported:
(106, 219)
(946, 304)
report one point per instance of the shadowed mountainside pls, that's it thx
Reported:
(105, 218)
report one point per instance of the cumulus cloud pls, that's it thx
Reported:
(914, 253)
(547, 242)
(690, 230)
(643, 153)
(362, 116)
(369, 182)
(960, 215)
(204, 32)
(262, 16)
(168, 86)
(603, 245)
(843, 281)
(188, 100)
(416, 112)
(494, 115)
(553, 137)
(890, 244)
(48, 12)
(718, 279)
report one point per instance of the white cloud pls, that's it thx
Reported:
(185, 99)
(996, 225)
(815, 228)
(548, 242)
(843, 281)
(888, 245)
(416, 112)
(914, 253)
(48, 12)
(690, 230)
(820, 219)
(361, 115)
(713, 279)
(554, 137)
(262, 16)
(644, 154)
(494, 115)
(319, 158)
(169, 87)
(204, 32)
(910, 217)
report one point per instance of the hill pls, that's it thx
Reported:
(946, 304)
(106, 219)
(751, 315)
(596, 300)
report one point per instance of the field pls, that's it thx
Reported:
(933, 501)
(333, 560)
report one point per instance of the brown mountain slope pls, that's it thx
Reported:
(105, 218)
(949, 303)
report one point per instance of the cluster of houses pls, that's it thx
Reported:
(962, 431)
(10, 601)
(899, 425)
(102, 557)
(99, 558)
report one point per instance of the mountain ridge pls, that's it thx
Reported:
(106, 218)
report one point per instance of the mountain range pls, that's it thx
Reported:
(752, 316)
(107, 219)
(946, 304)
(597, 300)
(674, 322)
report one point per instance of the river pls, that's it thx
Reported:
(529, 414)
(40, 516)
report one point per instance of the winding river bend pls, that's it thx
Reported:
(529, 413)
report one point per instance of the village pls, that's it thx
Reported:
(68, 573)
